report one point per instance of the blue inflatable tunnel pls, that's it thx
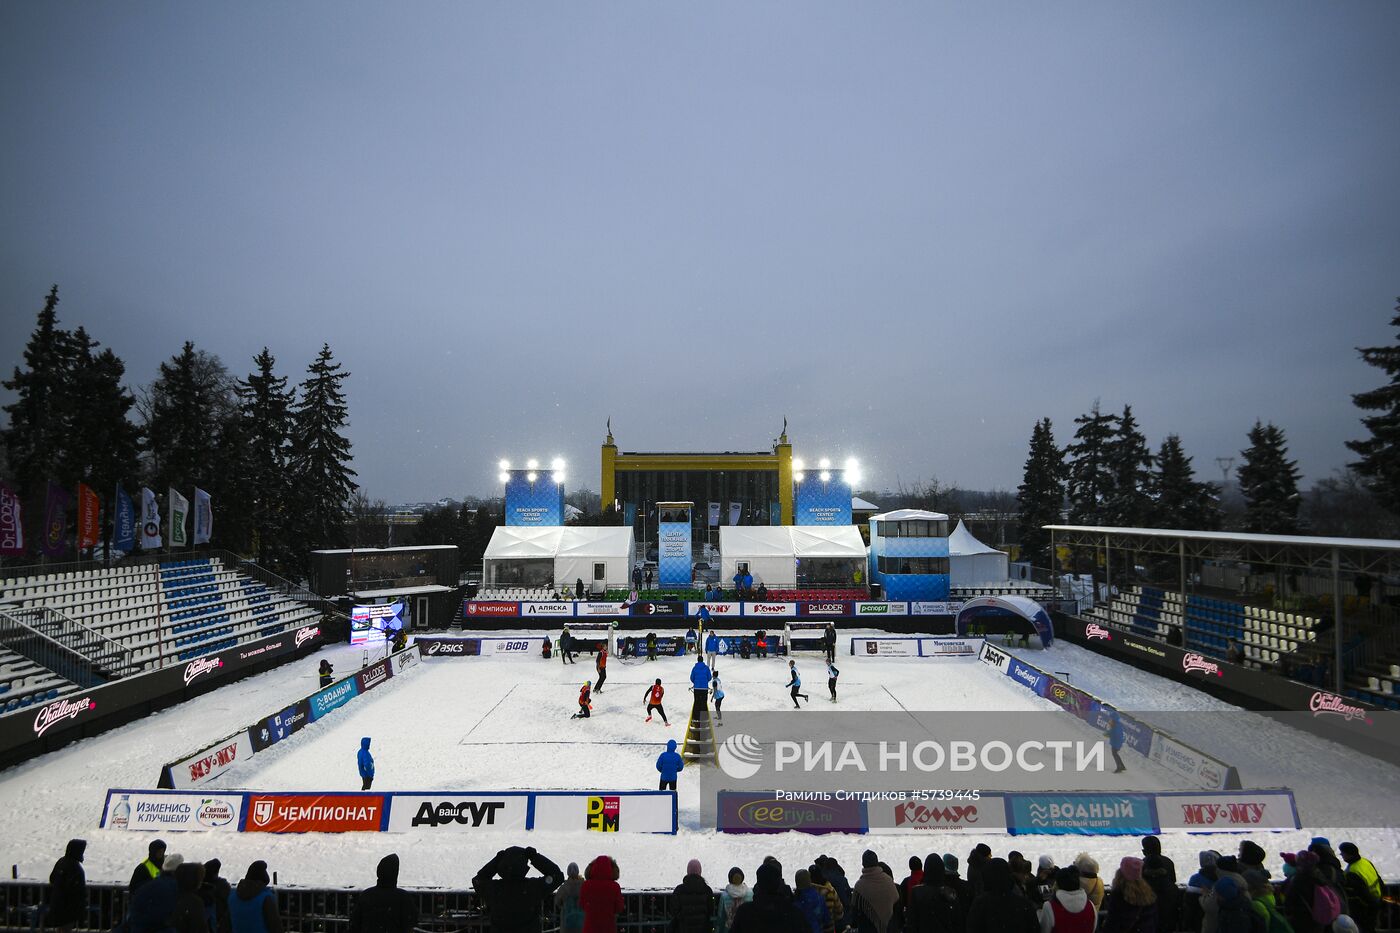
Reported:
(1002, 614)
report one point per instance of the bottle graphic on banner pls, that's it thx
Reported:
(121, 814)
(179, 512)
(673, 543)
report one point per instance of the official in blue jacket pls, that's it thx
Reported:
(366, 761)
(669, 763)
(711, 649)
(700, 684)
(1116, 739)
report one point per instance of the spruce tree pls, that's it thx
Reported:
(186, 410)
(38, 417)
(1041, 494)
(265, 421)
(1178, 500)
(322, 482)
(1269, 482)
(104, 444)
(1090, 471)
(1129, 504)
(1380, 453)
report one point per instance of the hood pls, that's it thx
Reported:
(254, 881)
(387, 873)
(188, 876)
(996, 876)
(602, 869)
(1151, 845)
(671, 745)
(769, 878)
(1208, 858)
(1073, 901)
(364, 743)
(76, 848)
(211, 869)
(1252, 853)
(933, 870)
(1227, 890)
(512, 864)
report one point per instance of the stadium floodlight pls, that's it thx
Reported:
(797, 465)
(504, 477)
(504, 465)
(532, 464)
(557, 465)
(532, 476)
(826, 476)
(558, 477)
(852, 464)
(798, 477)
(851, 477)
(824, 463)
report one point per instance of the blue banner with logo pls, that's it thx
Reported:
(673, 544)
(333, 697)
(1082, 814)
(539, 503)
(821, 503)
(123, 523)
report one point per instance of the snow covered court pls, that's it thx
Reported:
(503, 723)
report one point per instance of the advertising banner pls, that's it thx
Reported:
(171, 811)
(372, 676)
(603, 812)
(457, 813)
(367, 623)
(821, 503)
(882, 609)
(150, 520)
(273, 729)
(1028, 677)
(986, 814)
(602, 609)
(208, 763)
(659, 610)
(333, 697)
(826, 608)
(55, 541)
(673, 548)
(482, 607)
(405, 659)
(949, 647)
(179, 509)
(714, 514)
(513, 647)
(314, 813)
(203, 516)
(995, 657)
(537, 504)
(1246, 811)
(1197, 767)
(886, 647)
(926, 608)
(555, 609)
(770, 609)
(89, 515)
(1070, 699)
(442, 646)
(123, 522)
(1136, 735)
(717, 610)
(1083, 814)
(736, 512)
(768, 812)
(11, 522)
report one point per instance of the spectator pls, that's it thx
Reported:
(214, 890)
(566, 901)
(384, 908)
(252, 907)
(1199, 886)
(578, 588)
(952, 880)
(1024, 877)
(67, 901)
(977, 859)
(600, 897)
(912, 880)
(691, 640)
(829, 642)
(1132, 907)
(836, 877)
(153, 906)
(669, 764)
(934, 907)
(771, 909)
(513, 901)
(566, 647)
(1000, 908)
(692, 903)
(1045, 869)
(811, 903)
(735, 895)
(1160, 874)
(1089, 878)
(326, 673)
(1363, 887)
(1263, 903)
(1067, 909)
(1234, 914)
(873, 898)
(1251, 857)
(365, 762)
(828, 893)
(1315, 896)
(148, 870)
(190, 915)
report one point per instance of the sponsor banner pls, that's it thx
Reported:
(770, 609)
(766, 812)
(602, 609)
(886, 647)
(123, 523)
(483, 607)
(1070, 699)
(986, 814)
(516, 646)
(989, 654)
(882, 609)
(825, 608)
(203, 516)
(405, 659)
(935, 608)
(333, 697)
(659, 610)
(1028, 677)
(373, 676)
(557, 608)
(179, 509)
(55, 540)
(1082, 814)
(89, 512)
(150, 520)
(1197, 767)
(208, 763)
(370, 622)
(949, 647)
(1322, 703)
(1247, 811)
(1136, 735)
(821, 502)
(314, 813)
(604, 812)
(716, 609)
(62, 712)
(11, 522)
(673, 547)
(441, 646)
(533, 499)
(279, 725)
(457, 813)
(1200, 664)
(171, 811)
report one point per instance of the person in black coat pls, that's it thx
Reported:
(190, 915)
(214, 891)
(67, 903)
(153, 906)
(693, 902)
(1160, 874)
(149, 870)
(934, 907)
(772, 909)
(1001, 907)
(326, 672)
(384, 908)
(513, 901)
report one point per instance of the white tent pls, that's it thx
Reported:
(972, 563)
(772, 552)
(558, 556)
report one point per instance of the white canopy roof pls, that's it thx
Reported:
(863, 505)
(909, 515)
(772, 551)
(962, 541)
(573, 549)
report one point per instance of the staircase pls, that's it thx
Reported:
(50, 639)
(700, 744)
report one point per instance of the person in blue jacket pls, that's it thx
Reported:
(366, 762)
(700, 685)
(796, 684)
(711, 649)
(669, 763)
(1115, 739)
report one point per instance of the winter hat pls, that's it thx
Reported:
(386, 873)
(1151, 845)
(1289, 858)
(1344, 924)
(1320, 841)
(1086, 864)
(258, 872)
(736, 870)
(156, 848)
(1348, 848)
(982, 849)
(769, 878)
(1307, 859)
(172, 861)
(1258, 882)
(572, 869)
(692, 867)
(1227, 889)
(1228, 863)
(1209, 857)
(950, 863)
(802, 879)
(1131, 868)
(1045, 863)
(212, 868)
(868, 859)
(1252, 853)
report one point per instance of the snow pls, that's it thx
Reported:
(500, 723)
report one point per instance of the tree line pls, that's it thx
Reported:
(274, 458)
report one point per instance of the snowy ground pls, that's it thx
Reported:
(497, 724)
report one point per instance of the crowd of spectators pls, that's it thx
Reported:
(1317, 892)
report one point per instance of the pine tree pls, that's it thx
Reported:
(186, 410)
(322, 481)
(1129, 504)
(1269, 482)
(38, 417)
(1380, 453)
(265, 416)
(1041, 494)
(1178, 500)
(104, 444)
(1090, 474)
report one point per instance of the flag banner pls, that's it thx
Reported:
(150, 521)
(89, 518)
(123, 522)
(204, 518)
(714, 514)
(55, 541)
(179, 509)
(735, 509)
(11, 523)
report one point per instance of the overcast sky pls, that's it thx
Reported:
(911, 228)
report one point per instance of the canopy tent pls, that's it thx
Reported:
(999, 615)
(520, 555)
(777, 554)
(972, 563)
(909, 515)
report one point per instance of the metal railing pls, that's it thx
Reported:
(71, 665)
(111, 657)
